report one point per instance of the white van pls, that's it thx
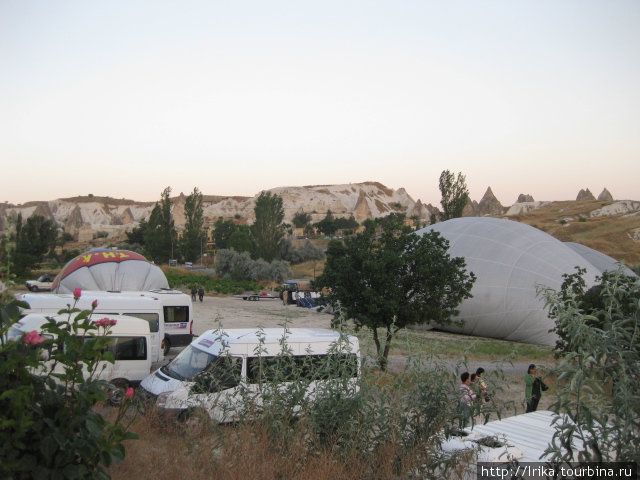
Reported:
(178, 316)
(128, 340)
(212, 372)
(109, 303)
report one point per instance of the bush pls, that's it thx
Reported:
(240, 266)
(50, 428)
(210, 284)
(301, 254)
(598, 396)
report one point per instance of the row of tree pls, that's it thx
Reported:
(158, 236)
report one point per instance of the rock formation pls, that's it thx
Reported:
(605, 196)
(489, 205)
(585, 195)
(522, 198)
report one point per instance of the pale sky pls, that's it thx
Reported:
(124, 98)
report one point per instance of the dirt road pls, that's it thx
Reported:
(234, 312)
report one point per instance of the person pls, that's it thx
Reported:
(194, 291)
(532, 388)
(201, 292)
(482, 385)
(467, 398)
(285, 297)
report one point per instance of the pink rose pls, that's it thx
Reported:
(106, 322)
(129, 393)
(94, 304)
(77, 293)
(32, 338)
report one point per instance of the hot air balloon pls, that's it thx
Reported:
(109, 270)
(510, 260)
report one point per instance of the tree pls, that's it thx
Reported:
(136, 235)
(301, 219)
(390, 277)
(193, 237)
(455, 195)
(33, 239)
(241, 240)
(160, 236)
(267, 230)
(222, 230)
(328, 224)
(597, 373)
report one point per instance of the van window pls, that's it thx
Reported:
(128, 348)
(189, 363)
(125, 348)
(223, 373)
(152, 318)
(176, 314)
(309, 367)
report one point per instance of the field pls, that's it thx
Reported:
(168, 449)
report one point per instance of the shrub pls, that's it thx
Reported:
(49, 388)
(240, 266)
(598, 396)
(296, 255)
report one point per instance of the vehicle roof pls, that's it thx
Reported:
(125, 324)
(530, 432)
(105, 300)
(240, 338)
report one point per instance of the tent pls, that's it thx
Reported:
(109, 270)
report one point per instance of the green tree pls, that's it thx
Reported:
(223, 229)
(193, 238)
(301, 219)
(267, 230)
(33, 239)
(390, 277)
(328, 224)
(241, 240)
(160, 237)
(346, 223)
(455, 195)
(597, 397)
(136, 235)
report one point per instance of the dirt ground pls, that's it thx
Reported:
(233, 312)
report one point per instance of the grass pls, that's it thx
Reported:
(450, 345)
(609, 234)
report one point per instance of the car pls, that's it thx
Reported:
(42, 283)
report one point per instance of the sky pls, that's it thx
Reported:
(125, 98)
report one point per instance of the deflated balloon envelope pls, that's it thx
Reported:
(109, 270)
(510, 259)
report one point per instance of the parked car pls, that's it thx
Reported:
(42, 283)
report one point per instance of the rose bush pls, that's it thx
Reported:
(48, 390)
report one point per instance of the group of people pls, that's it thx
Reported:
(473, 391)
(197, 291)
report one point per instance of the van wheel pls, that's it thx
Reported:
(117, 391)
(195, 418)
(167, 345)
(34, 288)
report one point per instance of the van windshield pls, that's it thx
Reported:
(188, 363)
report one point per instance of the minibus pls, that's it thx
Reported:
(133, 305)
(220, 366)
(128, 340)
